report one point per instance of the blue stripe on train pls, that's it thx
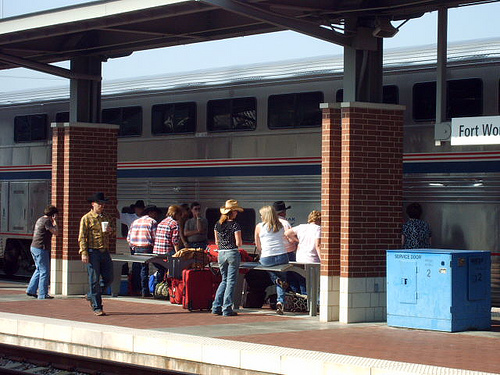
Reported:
(288, 170)
(452, 167)
(223, 171)
(26, 175)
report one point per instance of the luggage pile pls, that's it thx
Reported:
(189, 280)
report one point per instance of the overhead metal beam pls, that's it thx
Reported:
(442, 129)
(294, 24)
(47, 68)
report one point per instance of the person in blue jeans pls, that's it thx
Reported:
(228, 239)
(269, 236)
(96, 228)
(45, 227)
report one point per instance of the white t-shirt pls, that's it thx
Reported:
(271, 242)
(128, 219)
(289, 246)
(307, 235)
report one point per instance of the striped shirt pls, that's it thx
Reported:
(167, 236)
(91, 235)
(142, 232)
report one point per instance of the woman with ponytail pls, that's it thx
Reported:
(269, 236)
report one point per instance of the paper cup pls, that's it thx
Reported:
(104, 226)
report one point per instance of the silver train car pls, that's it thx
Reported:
(253, 133)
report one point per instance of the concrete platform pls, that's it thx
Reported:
(158, 334)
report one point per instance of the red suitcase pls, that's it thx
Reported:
(198, 289)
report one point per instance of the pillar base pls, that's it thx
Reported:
(363, 299)
(73, 278)
(329, 298)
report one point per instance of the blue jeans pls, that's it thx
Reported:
(229, 265)
(41, 277)
(297, 282)
(100, 265)
(144, 270)
(276, 260)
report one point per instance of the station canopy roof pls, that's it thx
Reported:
(117, 28)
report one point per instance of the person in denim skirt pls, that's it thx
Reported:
(96, 227)
(269, 236)
(45, 227)
(228, 239)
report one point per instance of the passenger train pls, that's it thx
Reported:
(253, 133)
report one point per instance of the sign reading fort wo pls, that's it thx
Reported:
(483, 130)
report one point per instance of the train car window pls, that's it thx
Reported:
(30, 128)
(464, 99)
(298, 110)
(246, 219)
(232, 114)
(390, 95)
(129, 119)
(173, 118)
(62, 117)
(339, 96)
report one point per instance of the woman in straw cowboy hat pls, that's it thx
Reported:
(228, 239)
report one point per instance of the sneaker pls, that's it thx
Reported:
(99, 313)
(279, 308)
(217, 312)
(231, 313)
(32, 295)
(48, 297)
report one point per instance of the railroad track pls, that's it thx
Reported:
(16, 360)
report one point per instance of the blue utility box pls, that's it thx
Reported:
(436, 289)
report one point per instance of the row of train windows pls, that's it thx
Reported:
(296, 110)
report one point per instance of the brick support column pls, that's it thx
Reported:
(84, 162)
(330, 212)
(371, 205)
(58, 201)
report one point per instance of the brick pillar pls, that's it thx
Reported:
(371, 205)
(57, 200)
(84, 162)
(330, 212)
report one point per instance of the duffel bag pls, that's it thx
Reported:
(295, 302)
(161, 290)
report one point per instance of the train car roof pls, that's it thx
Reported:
(394, 59)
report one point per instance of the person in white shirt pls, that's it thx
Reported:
(269, 242)
(308, 237)
(128, 218)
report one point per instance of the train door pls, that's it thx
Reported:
(22, 203)
(5, 205)
(37, 201)
(18, 207)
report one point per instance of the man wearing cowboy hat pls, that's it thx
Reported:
(95, 229)
(141, 238)
(290, 247)
(280, 208)
(137, 210)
